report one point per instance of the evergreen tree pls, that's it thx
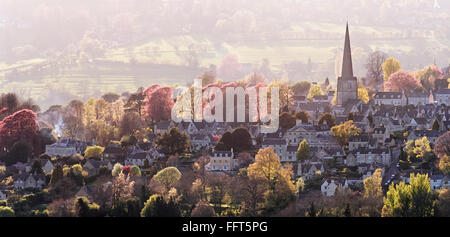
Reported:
(303, 150)
(57, 174)
(351, 117)
(435, 125)
(36, 167)
(347, 212)
(312, 210)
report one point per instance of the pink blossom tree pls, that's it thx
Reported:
(401, 81)
(158, 103)
(230, 67)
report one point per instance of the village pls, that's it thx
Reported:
(330, 141)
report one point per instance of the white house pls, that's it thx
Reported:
(359, 141)
(329, 188)
(162, 126)
(279, 145)
(390, 98)
(199, 142)
(442, 96)
(47, 166)
(23, 181)
(291, 154)
(372, 156)
(418, 98)
(65, 147)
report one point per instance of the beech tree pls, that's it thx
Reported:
(372, 185)
(428, 77)
(390, 66)
(20, 152)
(303, 116)
(203, 209)
(415, 199)
(328, 118)
(130, 123)
(173, 142)
(343, 131)
(287, 120)
(313, 91)
(158, 103)
(301, 88)
(240, 140)
(442, 145)
(111, 97)
(20, 126)
(277, 179)
(168, 177)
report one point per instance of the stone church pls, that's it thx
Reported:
(347, 86)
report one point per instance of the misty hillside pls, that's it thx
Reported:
(54, 50)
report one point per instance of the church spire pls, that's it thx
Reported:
(347, 68)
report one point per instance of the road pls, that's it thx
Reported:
(392, 170)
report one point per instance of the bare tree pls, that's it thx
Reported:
(374, 70)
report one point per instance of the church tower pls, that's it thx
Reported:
(347, 86)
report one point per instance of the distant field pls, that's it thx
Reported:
(301, 47)
(164, 61)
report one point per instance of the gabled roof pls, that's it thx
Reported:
(292, 148)
(163, 125)
(313, 106)
(299, 98)
(144, 145)
(273, 141)
(388, 95)
(379, 130)
(442, 92)
(362, 150)
(421, 121)
(221, 153)
(139, 156)
(418, 94)
(320, 97)
(428, 133)
(360, 138)
(113, 150)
